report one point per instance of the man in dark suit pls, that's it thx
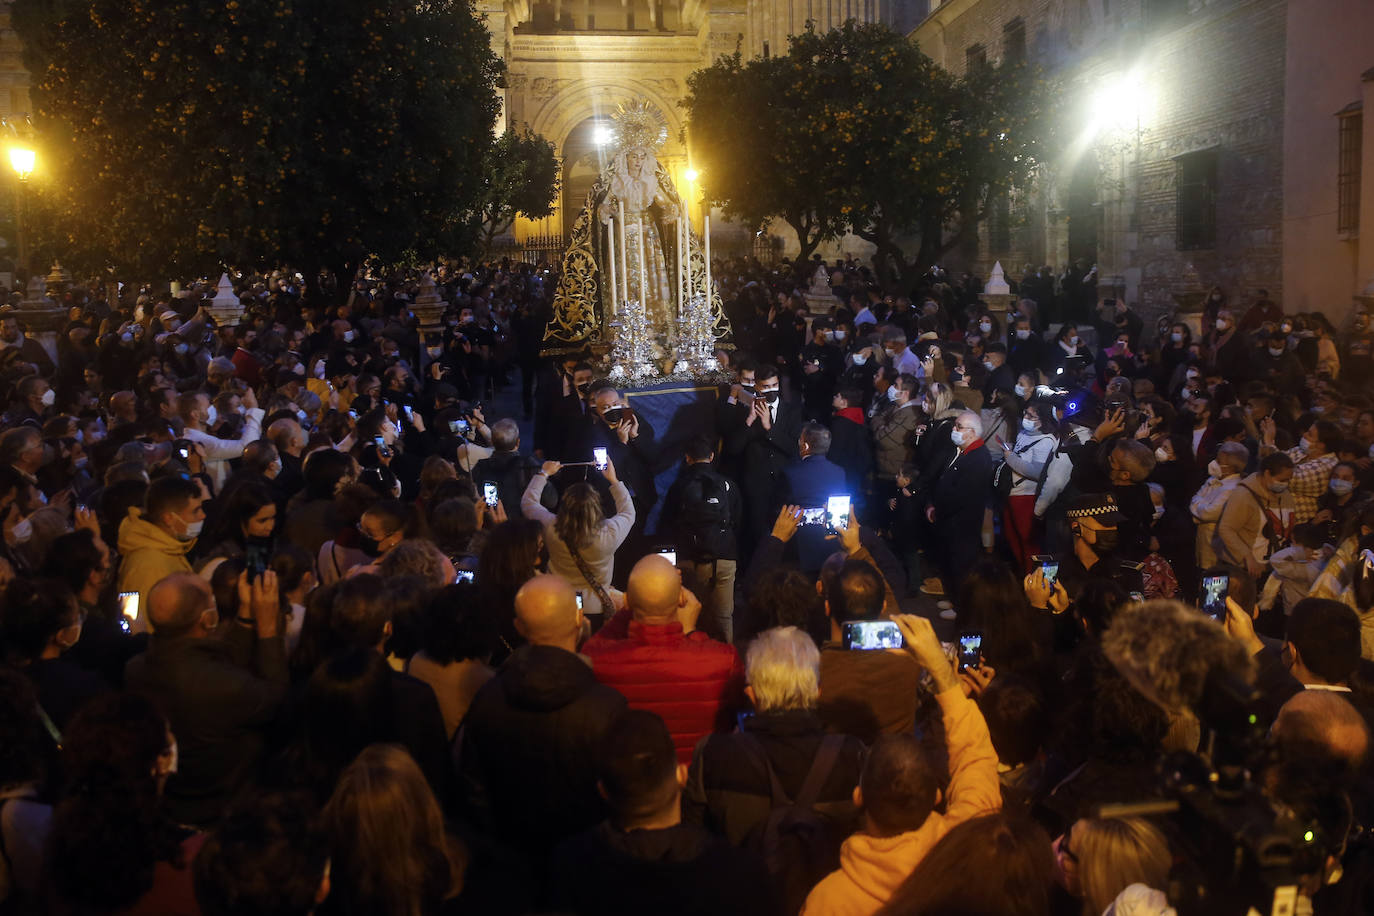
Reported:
(561, 409)
(810, 482)
(958, 499)
(762, 441)
(733, 405)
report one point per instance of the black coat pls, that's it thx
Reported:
(681, 869)
(960, 495)
(511, 472)
(852, 450)
(217, 709)
(760, 455)
(529, 749)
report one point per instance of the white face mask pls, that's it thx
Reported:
(894, 394)
(193, 530)
(828, 336)
(1029, 425)
(1073, 341)
(319, 371)
(1020, 391)
(1022, 334)
(1215, 469)
(860, 359)
(1341, 487)
(957, 437)
(1221, 324)
(212, 416)
(1276, 351)
(1191, 374)
(1176, 337)
(985, 327)
(1161, 454)
(839, 333)
(348, 336)
(989, 365)
(22, 531)
(48, 398)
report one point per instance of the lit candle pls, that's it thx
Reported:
(687, 258)
(624, 258)
(681, 253)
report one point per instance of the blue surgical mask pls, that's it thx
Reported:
(893, 393)
(1341, 487)
(860, 359)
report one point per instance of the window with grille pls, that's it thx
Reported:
(975, 56)
(1014, 41)
(999, 225)
(1348, 172)
(1195, 182)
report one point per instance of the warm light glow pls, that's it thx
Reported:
(1118, 102)
(691, 174)
(602, 135)
(22, 160)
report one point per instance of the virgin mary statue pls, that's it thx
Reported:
(632, 243)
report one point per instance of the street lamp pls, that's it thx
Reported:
(22, 159)
(691, 174)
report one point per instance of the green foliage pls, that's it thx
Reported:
(177, 135)
(520, 177)
(856, 128)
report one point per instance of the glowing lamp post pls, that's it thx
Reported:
(22, 160)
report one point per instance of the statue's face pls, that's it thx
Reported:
(635, 159)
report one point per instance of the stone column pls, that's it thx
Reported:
(429, 307)
(226, 308)
(997, 293)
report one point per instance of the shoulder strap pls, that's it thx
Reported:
(756, 750)
(607, 605)
(827, 755)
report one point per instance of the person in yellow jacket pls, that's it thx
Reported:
(155, 539)
(898, 792)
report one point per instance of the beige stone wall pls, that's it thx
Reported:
(1328, 50)
(14, 79)
(1205, 79)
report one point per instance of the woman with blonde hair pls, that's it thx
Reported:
(1100, 857)
(581, 541)
(391, 855)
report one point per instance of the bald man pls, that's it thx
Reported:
(1321, 731)
(653, 653)
(531, 738)
(218, 706)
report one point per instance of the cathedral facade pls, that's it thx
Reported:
(569, 63)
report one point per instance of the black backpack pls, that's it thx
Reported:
(707, 531)
(799, 846)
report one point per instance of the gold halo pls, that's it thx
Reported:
(638, 124)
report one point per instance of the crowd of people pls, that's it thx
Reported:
(294, 620)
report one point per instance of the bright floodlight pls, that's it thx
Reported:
(691, 174)
(602, 135)
(22, 160)
(1118, 102)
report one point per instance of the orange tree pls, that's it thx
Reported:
(179, 135)
(856, 129)
(520, 176)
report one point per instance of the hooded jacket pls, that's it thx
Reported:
(150, 555)
(871, 867)
(529, 747)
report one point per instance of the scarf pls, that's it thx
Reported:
(853, 414)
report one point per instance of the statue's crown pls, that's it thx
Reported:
(639, 124)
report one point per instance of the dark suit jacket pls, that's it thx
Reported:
(763, 453)
(812, 480)
(961, 493)
(218, 710)
(851, 449)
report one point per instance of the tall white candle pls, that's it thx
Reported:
(643, 269)
(610, 259)
(706, 231)
(624, 258)
(687, 258)
(681, 253)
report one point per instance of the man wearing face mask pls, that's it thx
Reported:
(32, 404)
(957, 499)
(155, 539)
(1228, 350)
(42, 623)
(1223, 475)
(1093, 522)
(760, 447)
(1000, 375)
(1027, 352)
(1277, 365)
(561, 410)
(217, 706)
(195, 413)
(1258, 516)
(1313, 459)
(821, 358)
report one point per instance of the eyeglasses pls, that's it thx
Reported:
(1065, 851)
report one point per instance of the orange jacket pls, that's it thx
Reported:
(871, 868)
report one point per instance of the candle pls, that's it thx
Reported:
(610, 259)
(706, 231)
(681, 253)
(643, 269)
(624, 258)
(687, 259)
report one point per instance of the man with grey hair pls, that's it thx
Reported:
(508, 469)
(1224, 472)
(957, 500)
(729, 783)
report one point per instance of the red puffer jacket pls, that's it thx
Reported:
(693, 682)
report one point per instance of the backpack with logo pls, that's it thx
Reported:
(707, 531)
(799, 846)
